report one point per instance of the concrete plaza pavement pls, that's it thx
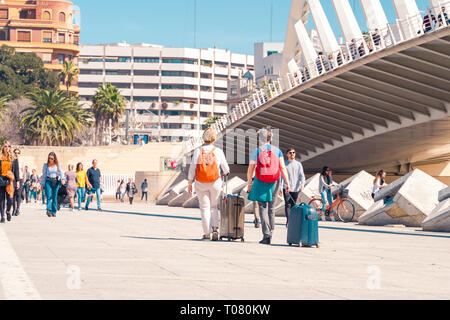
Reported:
(154, 252)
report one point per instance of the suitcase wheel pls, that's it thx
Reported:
(242, 240)
(290, 244)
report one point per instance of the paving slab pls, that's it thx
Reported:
(145, 251)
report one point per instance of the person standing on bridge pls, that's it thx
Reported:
(297, 182)
(267, 165)
(207, 166)
(95, 178)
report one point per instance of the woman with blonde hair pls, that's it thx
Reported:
(71, 185)
(207, 166)
(9, 180)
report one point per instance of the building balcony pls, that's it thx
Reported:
(74, 50)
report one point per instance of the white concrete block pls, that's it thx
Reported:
(192, 202)
(439, 219)
(413, 198)
(444, 194)
(179, 200)
(311, 189)
(173, 193)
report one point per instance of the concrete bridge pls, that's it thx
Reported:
(381, 100)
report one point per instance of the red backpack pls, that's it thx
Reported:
(268, 166)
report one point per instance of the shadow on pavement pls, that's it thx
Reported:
(418, 234)
(168, 239)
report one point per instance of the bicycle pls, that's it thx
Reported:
(345, 207)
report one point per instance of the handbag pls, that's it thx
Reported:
(4, 181)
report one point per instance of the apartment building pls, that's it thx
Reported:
(170, 91)
(48, 28)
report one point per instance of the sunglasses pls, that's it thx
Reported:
(292, 152)
(51, 158)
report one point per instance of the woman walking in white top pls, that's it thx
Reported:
(207, 166)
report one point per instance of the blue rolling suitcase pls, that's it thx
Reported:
(295, 226)
(310, 227)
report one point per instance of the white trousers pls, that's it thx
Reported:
(208, 198)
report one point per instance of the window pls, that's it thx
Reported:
(237, 65)
(88, 84)
(118, 59)
(205, 76)
(93, 59)
(146, 60)
(217, 89)
(61, 58)
(3, 35)
(24, 36)
(47, 36)
(46, 15)
(62, 17)
(203, 114)
(27, 14)
(47, 57)
(146, 86)
(222, 64)
(205, 101)
(122, 85)
(221, 76)
(178, 86)
(61, 38)
(3, 13)
(118, 72)
(92, 71)
(145, 99)
(76, 40)
(178, 74)
(205, 88)
(176, 60)
(146, 73)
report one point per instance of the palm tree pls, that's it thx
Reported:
(69, 73)
(3, 101)
(53, 118)
(107, 104)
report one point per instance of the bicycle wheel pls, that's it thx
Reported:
(317, 203)
(346, 211)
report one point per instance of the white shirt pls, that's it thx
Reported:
(220, 158)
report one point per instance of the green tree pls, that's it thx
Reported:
(210, 121)
(107, 104)
(69, 73)
(23, 72)
(53, 119)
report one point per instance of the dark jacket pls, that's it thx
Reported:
(14, 169)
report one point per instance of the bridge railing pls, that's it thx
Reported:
(371, 42)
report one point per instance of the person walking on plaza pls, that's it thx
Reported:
(118, 193)
(144, 190)
(379, 183)
(71, 185)
(9, 180)
(52, 178)
(81, 185)
(94, 178)
(17, 199)
(131, 190)
(297, 182)
(325, 184)
(26, 185)
(123, 187)
(34, 181)
(268, 165)
(207, 166)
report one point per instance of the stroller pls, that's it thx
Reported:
(63, 197)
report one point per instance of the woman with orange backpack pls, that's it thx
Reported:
(268, 166)
(207, 166)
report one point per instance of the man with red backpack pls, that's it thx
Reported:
(267, 165)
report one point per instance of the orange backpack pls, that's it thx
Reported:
(207, 169)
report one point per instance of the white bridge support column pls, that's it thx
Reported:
(374, 14)
(409, 18)
(326, 35)
(349, 25)
(309, 54)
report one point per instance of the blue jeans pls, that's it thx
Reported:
(33, 194)
(326, 196)
(99, 205)
(81, 195)
(52, 196)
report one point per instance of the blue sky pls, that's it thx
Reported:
(226, 24)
